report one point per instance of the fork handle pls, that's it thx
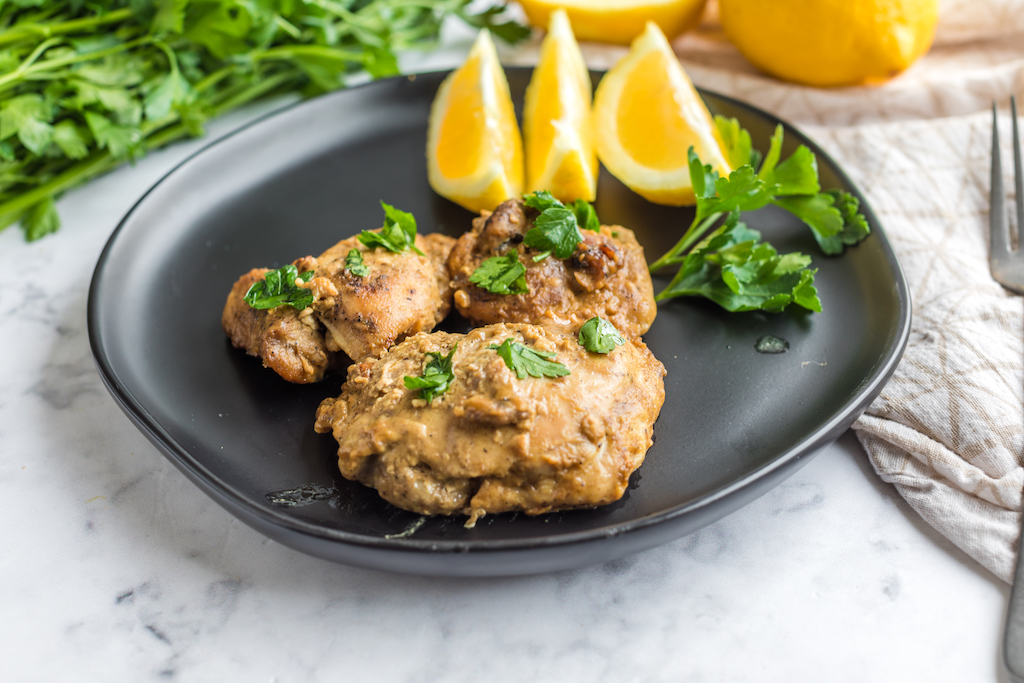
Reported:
(1013, 636)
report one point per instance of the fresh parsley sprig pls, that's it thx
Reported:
(599, 336)
(731, 266)
(354, 263)
(502, 274)
(86, 86)
(397, 235)
(739, 272)
(279, 288)
(437, 375)
(527, 362)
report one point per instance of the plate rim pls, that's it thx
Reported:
(195, 470)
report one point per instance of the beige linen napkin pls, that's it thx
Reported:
(948, 429)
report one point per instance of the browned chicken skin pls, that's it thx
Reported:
(403, 294)
(495, 443)
(607, 277)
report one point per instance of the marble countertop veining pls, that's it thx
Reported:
(114, 567)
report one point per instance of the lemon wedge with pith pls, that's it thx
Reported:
(647, 114)
(474, 148)
(560, 155)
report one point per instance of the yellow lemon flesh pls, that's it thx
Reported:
(474, 149)
(646, 116)
(560, 155)
(618, 21)
(831, 42)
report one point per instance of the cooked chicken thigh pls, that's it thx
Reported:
(403, 293)
(493, 442)
(606, 276)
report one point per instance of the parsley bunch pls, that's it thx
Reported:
(85, 86)
(731, 265)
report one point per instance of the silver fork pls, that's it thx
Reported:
(1008, 270)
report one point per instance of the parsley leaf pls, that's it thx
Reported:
(397, 235)
(855, 225)
(29, 117)
(355, 265)
(41, 220)
(437, 375)
(736, 270)
(586, 217)
(501, 275)
(71, 139)
(599, 336)
(278, 288)
(739, 151)
(556, 229)
(525, 361)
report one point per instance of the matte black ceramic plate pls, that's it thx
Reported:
(735, 422)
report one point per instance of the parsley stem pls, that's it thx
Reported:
(28, 68)
(28, 31)
(689, 238)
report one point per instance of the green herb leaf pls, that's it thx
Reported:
(278, 288)
(525, 361)
(437, 375)
(397, 235)
(121, 141)
(599, 336)
(733, 268)
(28, 117)
(742, 191)
(71, 139)
(774, 152)
(816, 211)
(501, 274)
(355, 265)
(702, 178)
(586, 217)
(797, 175)
(555, 229)
(542, 200)
(490, 18)
(40, 220)
(855, 225)
(739, 151)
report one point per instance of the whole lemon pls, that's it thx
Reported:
(831, 42)
(618, 21)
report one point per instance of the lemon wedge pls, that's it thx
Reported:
(474, 149)
(618, 21)
(560, 155)
(647, 115)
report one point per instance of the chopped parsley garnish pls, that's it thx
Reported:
(355, 265)
(437, 375)
(397, 235)
(557, 229)
(278, 288)
(525, 361)
(501, 274)
(599, 336)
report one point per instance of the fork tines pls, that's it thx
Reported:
(1007, 264)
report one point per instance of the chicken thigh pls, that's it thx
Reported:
(401, 294)
(493, 441)
(606, 276)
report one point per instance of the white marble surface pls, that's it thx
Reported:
(114, 567)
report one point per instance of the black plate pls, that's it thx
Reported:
(734, 424)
